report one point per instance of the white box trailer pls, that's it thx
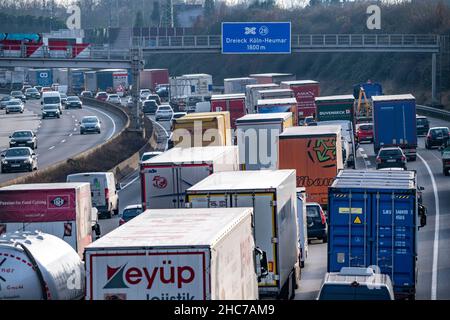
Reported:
(252, 95)
(176, 254)
(257, 139)
(191, 85)
(302, 225)
(237, 85)
(61, 209)
(39, 266)
(272, 195)
(165, 178)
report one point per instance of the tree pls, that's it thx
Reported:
(209, 8)
(139, 20)
(156, 14)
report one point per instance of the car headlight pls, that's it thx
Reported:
(5, 161)
(13, 142)
(27, 161)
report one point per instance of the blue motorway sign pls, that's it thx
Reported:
(256, 37)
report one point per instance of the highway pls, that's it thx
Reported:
(433, 247)
(58, 139)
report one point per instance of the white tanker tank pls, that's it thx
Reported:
(39, 266)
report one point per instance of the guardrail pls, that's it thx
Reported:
(433, 112)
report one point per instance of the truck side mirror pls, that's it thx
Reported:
(261, 267)
(422, 216)
(96, 229)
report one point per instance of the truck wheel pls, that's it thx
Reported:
(325, 238)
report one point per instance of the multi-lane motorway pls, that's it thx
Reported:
(58, 139)
(433, 241)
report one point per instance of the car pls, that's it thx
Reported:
(38, 88)
(130, 212)
(130, 103)
(155, 97)
(356, 283)
(25, 87)
(18, 159)
(422, 125)
(63, 98)
(18, 95)
(164, 112)
(308, 120)
(144, 93)
(437, 137)
(4, 100)
(102, 96)
(148, 155)
(14, 105)
(163, 92)
(176, 115)
(32, 93)
(46, 89)
(73, 102)
(23, 138)
(90, 124)
(149, 106)
(104, 191)
(446, 161)
(114, 99)
(52, 98)
(316, 222)
(50, 111)
(364, 132)
(391, 157)
(86, 94)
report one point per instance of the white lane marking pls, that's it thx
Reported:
(361, 149)
(62, 141)
(70, 134)
(74, 129)
(73, 117)
(129, 183)
(51, 147)
(109, 117)
(436, 232)
(436, 156)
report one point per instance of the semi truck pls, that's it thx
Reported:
(394, 123)
(39, 266)
(151, 78)
(202, 129)
(237, 85)
(332, 108)
(257, 139)
(272, 195)
(191, 85)
(279, 105)
(61, 209)
(305, 92)
(40, 77)
(374, 221)
(277, 78)
(251, 94)
(165, 178)
(176, 254)
(233, 103)
(315, 154)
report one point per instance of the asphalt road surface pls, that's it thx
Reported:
(433, 240)
(58, 139)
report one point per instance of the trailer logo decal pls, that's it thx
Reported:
(323, 151)
(115, 278)
(159, 182)
(57, 202)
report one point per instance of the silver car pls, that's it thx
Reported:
(4, 101)
(14, 105)
(90, 124)
(164, 112)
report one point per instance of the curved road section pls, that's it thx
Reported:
(58, 139)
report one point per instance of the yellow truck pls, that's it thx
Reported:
(202, 129)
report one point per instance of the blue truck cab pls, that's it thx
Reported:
(394, 123)
(373, 221)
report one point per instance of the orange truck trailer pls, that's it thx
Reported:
(316, 154)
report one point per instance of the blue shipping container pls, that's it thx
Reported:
(394, 119)
(104, 80)
(370, 89)
(77, 80)
(373, 222)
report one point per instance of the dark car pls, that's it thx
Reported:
(50, 111)
(391, 158)
(73, 102)
(18, 95)
(32, 93)
(4, 101)
(364, 132)
(129, 213)
(23, 138)
(87, 94)
(90, 124)
(422, 125)
(446, 161)
(18, 159)
(63, 98)
(317, 222)
(150, 106)
(437, 137)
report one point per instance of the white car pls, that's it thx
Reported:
(144, 93)
(164, 112)
(114, 99)
(14, 105)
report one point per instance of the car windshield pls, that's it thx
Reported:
(63, 95)
(113, 96)
(22, 134)
(165, 109)
(31, 90)
(6, 98)
(147, 156)
(131, 213)
(421, 121)
(446, 154)
(366, 127)
(51, 100)
(102, 94)
(89, 120)
(73, 99)
(13, 102)
(391, 152)
(16, 93)
(439, 132)
(178, 115)
(50, 108)
(312, 212)
(151, 103)
(17, 152)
